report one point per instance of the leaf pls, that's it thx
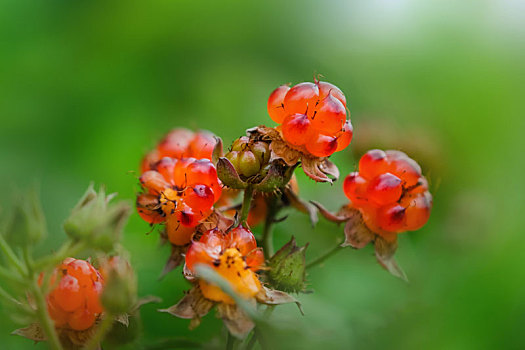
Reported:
(34, 332)
(385, 256)
(277, 297)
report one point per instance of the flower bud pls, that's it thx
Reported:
(27, 224)
(248, 157)
(95, 220)
(288, 268)
(120, 291)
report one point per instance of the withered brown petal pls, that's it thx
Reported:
(33, 332)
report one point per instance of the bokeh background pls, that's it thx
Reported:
(87, 87)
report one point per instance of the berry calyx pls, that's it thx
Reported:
(390, 192)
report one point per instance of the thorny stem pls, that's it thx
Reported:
(11, 256)
(102, 330)
(246, 203)
(43, 317)
(325, 256)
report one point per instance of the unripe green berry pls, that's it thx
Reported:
(239, 144)
(249, 165)
(261, 151)
(233, 157)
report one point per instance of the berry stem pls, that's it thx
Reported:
(43, 316)
(325, 256)
(11, 256)
(246, 204)
(102, 330)
(230, 342)
(267, 239)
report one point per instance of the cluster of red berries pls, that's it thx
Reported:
(390, 192)
(179, 192)
(75, 300)
(312, 117)
(234, 256)
(181, 143)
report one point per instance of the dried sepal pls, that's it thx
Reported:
(192, 306)
(175, 259)
(33, 332)
(301, 205)
(276, 297)
(239, 324)
(384, 250)
(319, 169)
(217, 150)
(328, 215)
(228, 175)
(357, 234)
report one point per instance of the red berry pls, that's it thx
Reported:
(345, 136)
(330, 115)
(373, 163)
(275, 104)
(296, 129)
(321, 145)
(327, 88)
(81, 319)
(301, 98)
(391, 217)
(384, 189)
(355, 187)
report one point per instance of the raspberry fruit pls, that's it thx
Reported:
(312, 117)
(75, 300)
(390, 192)
(181, 143)
(179, 192)
(234, 256)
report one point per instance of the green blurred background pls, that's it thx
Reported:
(87, 87)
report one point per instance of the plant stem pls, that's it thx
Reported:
(43, 317)
(102, 330)
(11, 276)
(11, 256)
(267, 238)
(246, 203)
(325, 256)
(230, 341)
